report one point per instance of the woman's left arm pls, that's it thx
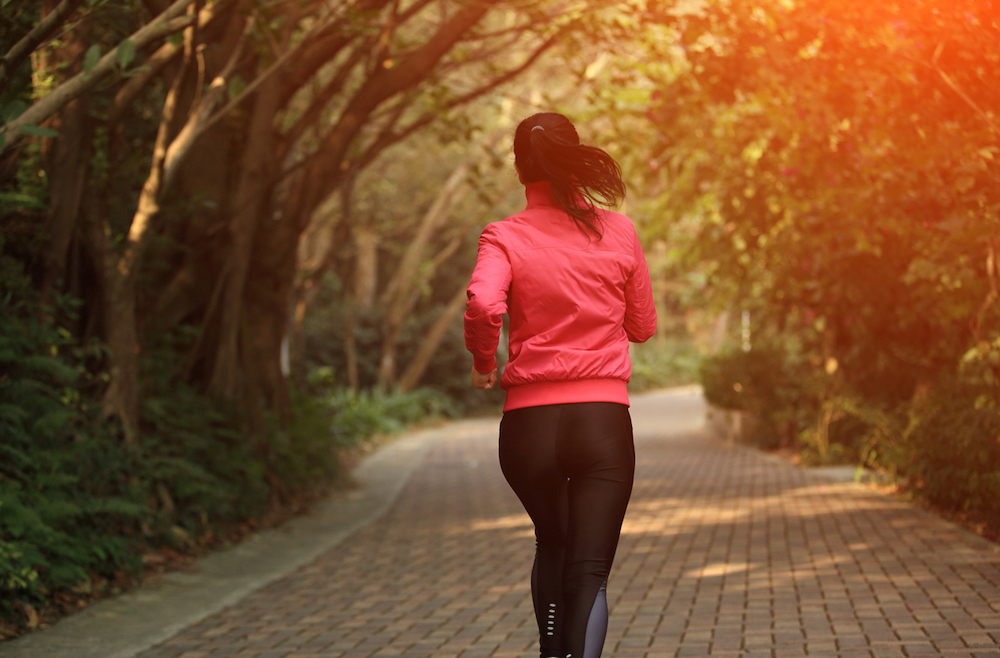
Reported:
(640, 310)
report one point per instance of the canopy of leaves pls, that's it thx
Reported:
(841, 162)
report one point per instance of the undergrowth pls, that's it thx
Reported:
(940, 447)
(660, 364)
(83, 512)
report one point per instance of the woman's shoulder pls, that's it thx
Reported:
(618, 225)
(617, 218)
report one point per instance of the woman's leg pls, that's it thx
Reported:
(596, 452)
(528, 461)
(571, 466)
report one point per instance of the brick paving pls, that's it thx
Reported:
(724, 552)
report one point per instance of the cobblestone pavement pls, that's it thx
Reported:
(725, 552)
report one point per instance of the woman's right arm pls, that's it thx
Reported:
(487, 303)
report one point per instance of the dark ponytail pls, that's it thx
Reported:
(547, 148)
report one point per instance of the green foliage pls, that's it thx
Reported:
(953, 452)
(196, 469)
(657, 364)
(58, 523)
(764, 382)
(303, 454)
(76, 502)
(125, 53)
(91, 57)
(832, 166)
(362, 414)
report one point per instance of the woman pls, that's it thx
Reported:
(574, 282)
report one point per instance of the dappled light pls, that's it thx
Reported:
(829, 568)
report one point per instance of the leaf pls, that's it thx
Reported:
(17, 200)
(12, 110)
(90, 59)
(125, 53)
(235, 86)
(965, 183)
(37, 131)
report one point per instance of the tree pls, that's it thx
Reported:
(249, 118)
(834, 164)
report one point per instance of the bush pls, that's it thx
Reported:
(359, 415)
(953, 452)
(77, 503)
(66, 507)
(944, 442)
(765, 384)
(658, 364)
(194, 467)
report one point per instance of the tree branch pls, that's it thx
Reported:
(197, 123)
(388, 137)
(163, 25)
(23, 48)
(322, 99)
(934, 66)
(260, 79)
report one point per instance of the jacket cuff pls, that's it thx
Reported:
(484, 365)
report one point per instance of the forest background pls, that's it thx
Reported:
(236, 236)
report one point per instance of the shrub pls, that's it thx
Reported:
(764, 383)
(59, 519)
(195, 468)
(658, 364)
(953, 452)
(357, 415)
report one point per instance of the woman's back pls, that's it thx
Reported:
(574, 300)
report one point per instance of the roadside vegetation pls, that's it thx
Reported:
(839, 187)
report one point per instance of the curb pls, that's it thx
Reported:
(126, 625)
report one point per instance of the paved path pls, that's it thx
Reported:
(724, 552)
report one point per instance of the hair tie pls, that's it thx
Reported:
(534, 128)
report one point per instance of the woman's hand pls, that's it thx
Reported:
(484, 380)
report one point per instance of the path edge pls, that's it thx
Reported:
(128, 624)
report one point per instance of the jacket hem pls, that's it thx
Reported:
(538, 394)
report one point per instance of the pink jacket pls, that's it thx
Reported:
(574, 303)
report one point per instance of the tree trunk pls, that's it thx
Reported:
(121, 399)
(418, 365)
(366, 244)
(403, 291)
(249, 210)
(67, 155)
(266, 296)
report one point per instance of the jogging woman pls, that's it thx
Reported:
(574, 282)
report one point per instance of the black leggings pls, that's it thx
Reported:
(572, 467)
